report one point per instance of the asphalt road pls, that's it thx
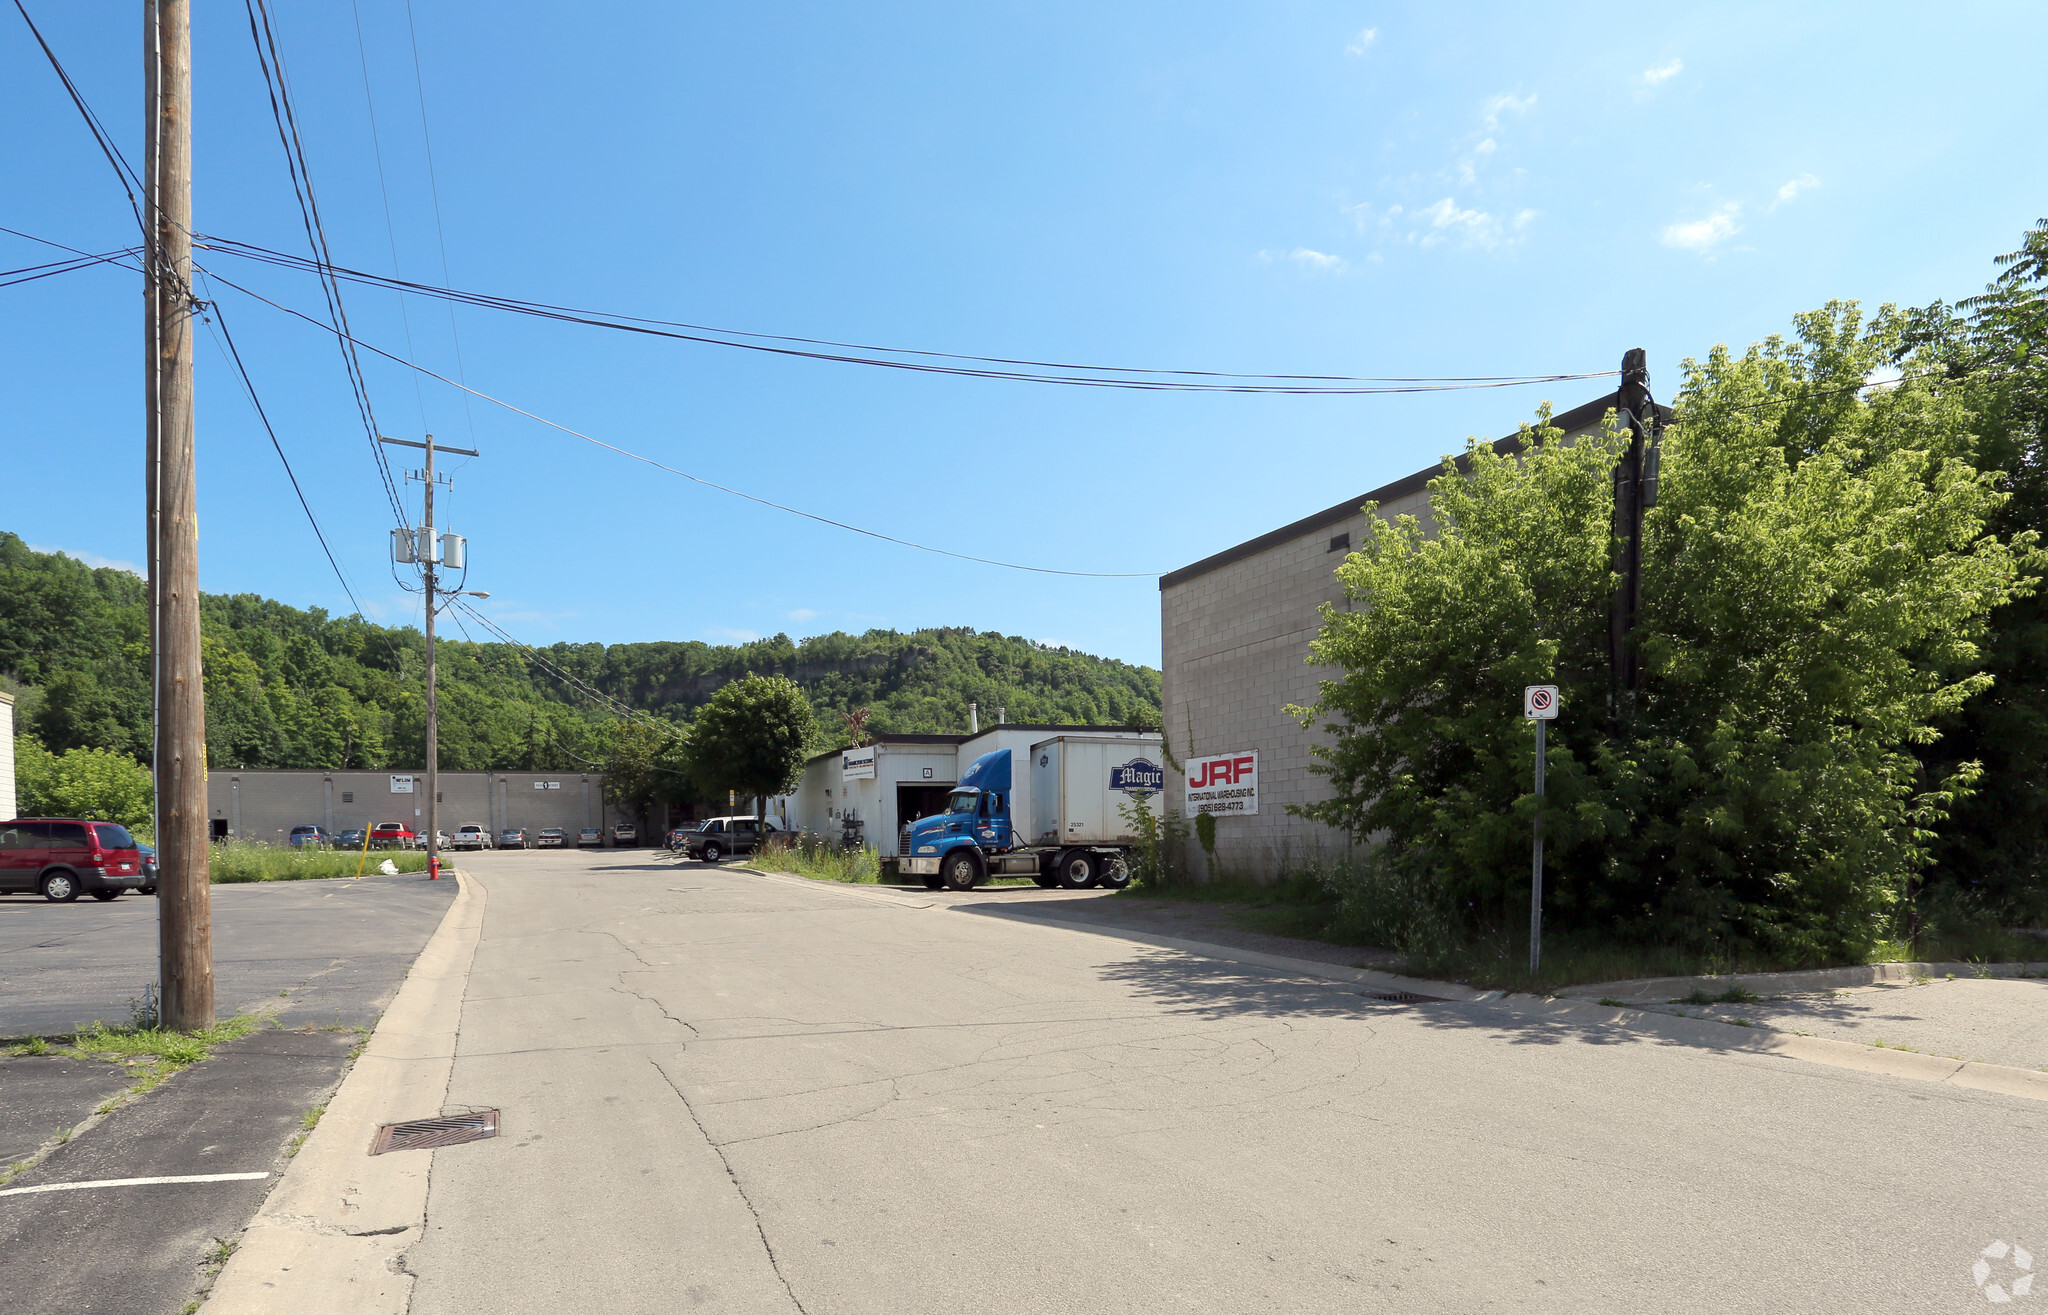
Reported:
(731, 1092)
(338, 947)
(337, 950)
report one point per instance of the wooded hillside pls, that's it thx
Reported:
(287, 687)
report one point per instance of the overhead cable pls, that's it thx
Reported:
(982, 367)
(696, 479)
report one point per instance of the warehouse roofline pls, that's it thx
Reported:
(963, 737)
(1579, 417)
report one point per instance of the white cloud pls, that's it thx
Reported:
(1363, 41)
(1658, 76)
(1803, 183)
(1703, 235)
(731, 636)
(1317, 260)
(93, 559)
(1503, 104)
(1475, 227)
(803, 614)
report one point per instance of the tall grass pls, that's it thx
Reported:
(234, 861)
(814, 856)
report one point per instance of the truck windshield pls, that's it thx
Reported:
(963, 802)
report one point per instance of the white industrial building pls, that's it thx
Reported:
(10, 804)
(1235, 630)
(876, 790)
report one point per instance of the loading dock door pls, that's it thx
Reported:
(914, 800)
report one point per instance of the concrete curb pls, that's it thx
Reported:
(332, 1235)
(2027, 1083)
(1813, 979)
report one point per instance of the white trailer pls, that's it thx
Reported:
(1081, 787)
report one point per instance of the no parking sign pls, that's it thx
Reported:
(1539, 702)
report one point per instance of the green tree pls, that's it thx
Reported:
(1816, 575)
(88, 783)
(646, 765)
(752, 737)
(1994, 349)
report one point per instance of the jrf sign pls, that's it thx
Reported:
(1224, 783)
(857, 764)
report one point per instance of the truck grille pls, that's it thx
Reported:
(903, 842)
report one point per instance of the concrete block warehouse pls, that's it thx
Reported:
(1235, 630)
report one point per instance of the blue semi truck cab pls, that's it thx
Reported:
(1077, 835)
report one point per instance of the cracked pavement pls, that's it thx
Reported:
(730, 1092)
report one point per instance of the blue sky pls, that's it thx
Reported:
(1380, 190)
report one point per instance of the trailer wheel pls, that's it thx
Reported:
(960, 871)
(1116, 874)
(1076, 870)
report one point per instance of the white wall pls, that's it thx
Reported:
(9, 805)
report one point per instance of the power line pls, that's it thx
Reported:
(131, 183)
(419, 83)
(988, 367)
(285, 115)
(696, 479)
(249, 386)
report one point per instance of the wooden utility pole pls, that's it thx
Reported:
(184, 897)
(1635, 491)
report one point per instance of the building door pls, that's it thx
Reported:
(914, 799)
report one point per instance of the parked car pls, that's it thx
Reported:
(513, 838)
(590, 837)
(309, 835)
(393, 835)
(350, 839)
(60, 858)
(722, 836)
(148, 886)
(550, 837)
(625, 833)
(470, 836)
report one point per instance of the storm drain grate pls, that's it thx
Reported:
(1403, 997)
(426, 1134)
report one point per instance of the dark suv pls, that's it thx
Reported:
(728, 835)
(60, 857)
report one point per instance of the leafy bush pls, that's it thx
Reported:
(89, 783)
(1816, 575)
(1160, 856)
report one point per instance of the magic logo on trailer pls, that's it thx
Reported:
(1137, 777)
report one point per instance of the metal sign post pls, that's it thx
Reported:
(1539, 704)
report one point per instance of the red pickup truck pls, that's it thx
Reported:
(393, 835)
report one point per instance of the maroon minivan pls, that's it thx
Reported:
(60, 857)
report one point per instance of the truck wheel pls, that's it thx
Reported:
(1076, 870)
(960, 871)
(1115, 875)
(711, 852)
(1046, 880)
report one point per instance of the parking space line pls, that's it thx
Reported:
(135, 1182)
